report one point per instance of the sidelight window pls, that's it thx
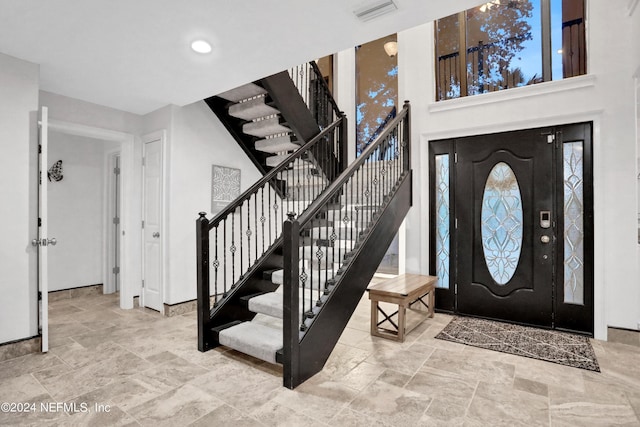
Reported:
(573, 222)
(504, 44)
(443, 219)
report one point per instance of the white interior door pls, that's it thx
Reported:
(152, 225)
(43, 241)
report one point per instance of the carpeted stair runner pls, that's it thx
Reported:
(255, 339)
(263, 338)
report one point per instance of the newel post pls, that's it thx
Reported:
(344, 143)
(291, 317)
(204, 304)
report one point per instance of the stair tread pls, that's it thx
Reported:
(276, 145)
(272, 303)
(255, 339)
(277, 277)
(266, 127)
(243, 92)
(252, 109)
(274, 161)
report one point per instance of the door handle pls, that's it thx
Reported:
(44, 242)
(156, 235)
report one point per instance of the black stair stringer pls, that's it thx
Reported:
(234, 126)
(296, 114)
(231, 307)
(323, 334)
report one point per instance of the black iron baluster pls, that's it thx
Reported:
(303, 279)
(269, 212)
(216, 265)
(320, 255)
(263, 219)
(240, 237)
(232, 249)
(351, 214)
(255, 223)
(248, 233)
(275, 214)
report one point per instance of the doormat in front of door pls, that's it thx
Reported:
(552, 346)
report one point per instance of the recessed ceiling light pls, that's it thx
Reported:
(201, 46)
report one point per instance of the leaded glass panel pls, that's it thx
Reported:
(443, 218)
(502, 225)
(573, 222)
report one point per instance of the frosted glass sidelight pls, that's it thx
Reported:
(573, 222)
(501, 223)
(443, 219)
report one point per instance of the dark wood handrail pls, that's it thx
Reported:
(332, 101)
(272, 174)
(374, 135)
(337, 185)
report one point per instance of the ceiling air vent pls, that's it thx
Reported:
(375, 9)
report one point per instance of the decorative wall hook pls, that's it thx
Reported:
(55, 172)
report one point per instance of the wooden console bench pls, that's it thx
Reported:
(404, 291)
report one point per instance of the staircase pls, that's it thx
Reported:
(261, 123)
(280, 272)
(272, 117)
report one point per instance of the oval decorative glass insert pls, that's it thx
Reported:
(502, 225)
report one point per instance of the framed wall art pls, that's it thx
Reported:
(225, 187)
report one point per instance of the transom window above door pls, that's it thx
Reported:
(502, 44)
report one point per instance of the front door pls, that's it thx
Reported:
(511, 226)
(505, 235)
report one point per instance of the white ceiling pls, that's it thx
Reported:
(134, 55)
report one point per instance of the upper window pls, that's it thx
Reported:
(509, 43)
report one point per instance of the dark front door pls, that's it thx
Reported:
(512, 226)
(505, 234)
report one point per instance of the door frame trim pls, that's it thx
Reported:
(599, 194)
(127, 246)
(109, 231)
(161, 136)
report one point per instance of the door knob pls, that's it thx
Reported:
(156, 235)
(44, 242)
(545, 239)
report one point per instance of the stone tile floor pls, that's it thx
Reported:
(146, 370)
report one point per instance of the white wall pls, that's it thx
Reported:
(605, 97)
(18, 187)
(77, 211)
(88, 114)
(198, 140)
(634, 11)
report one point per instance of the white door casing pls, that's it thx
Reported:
(112, 222)
(130, 269)
(42, 240)
(152, 238)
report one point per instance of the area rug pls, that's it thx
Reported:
(552, 346)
